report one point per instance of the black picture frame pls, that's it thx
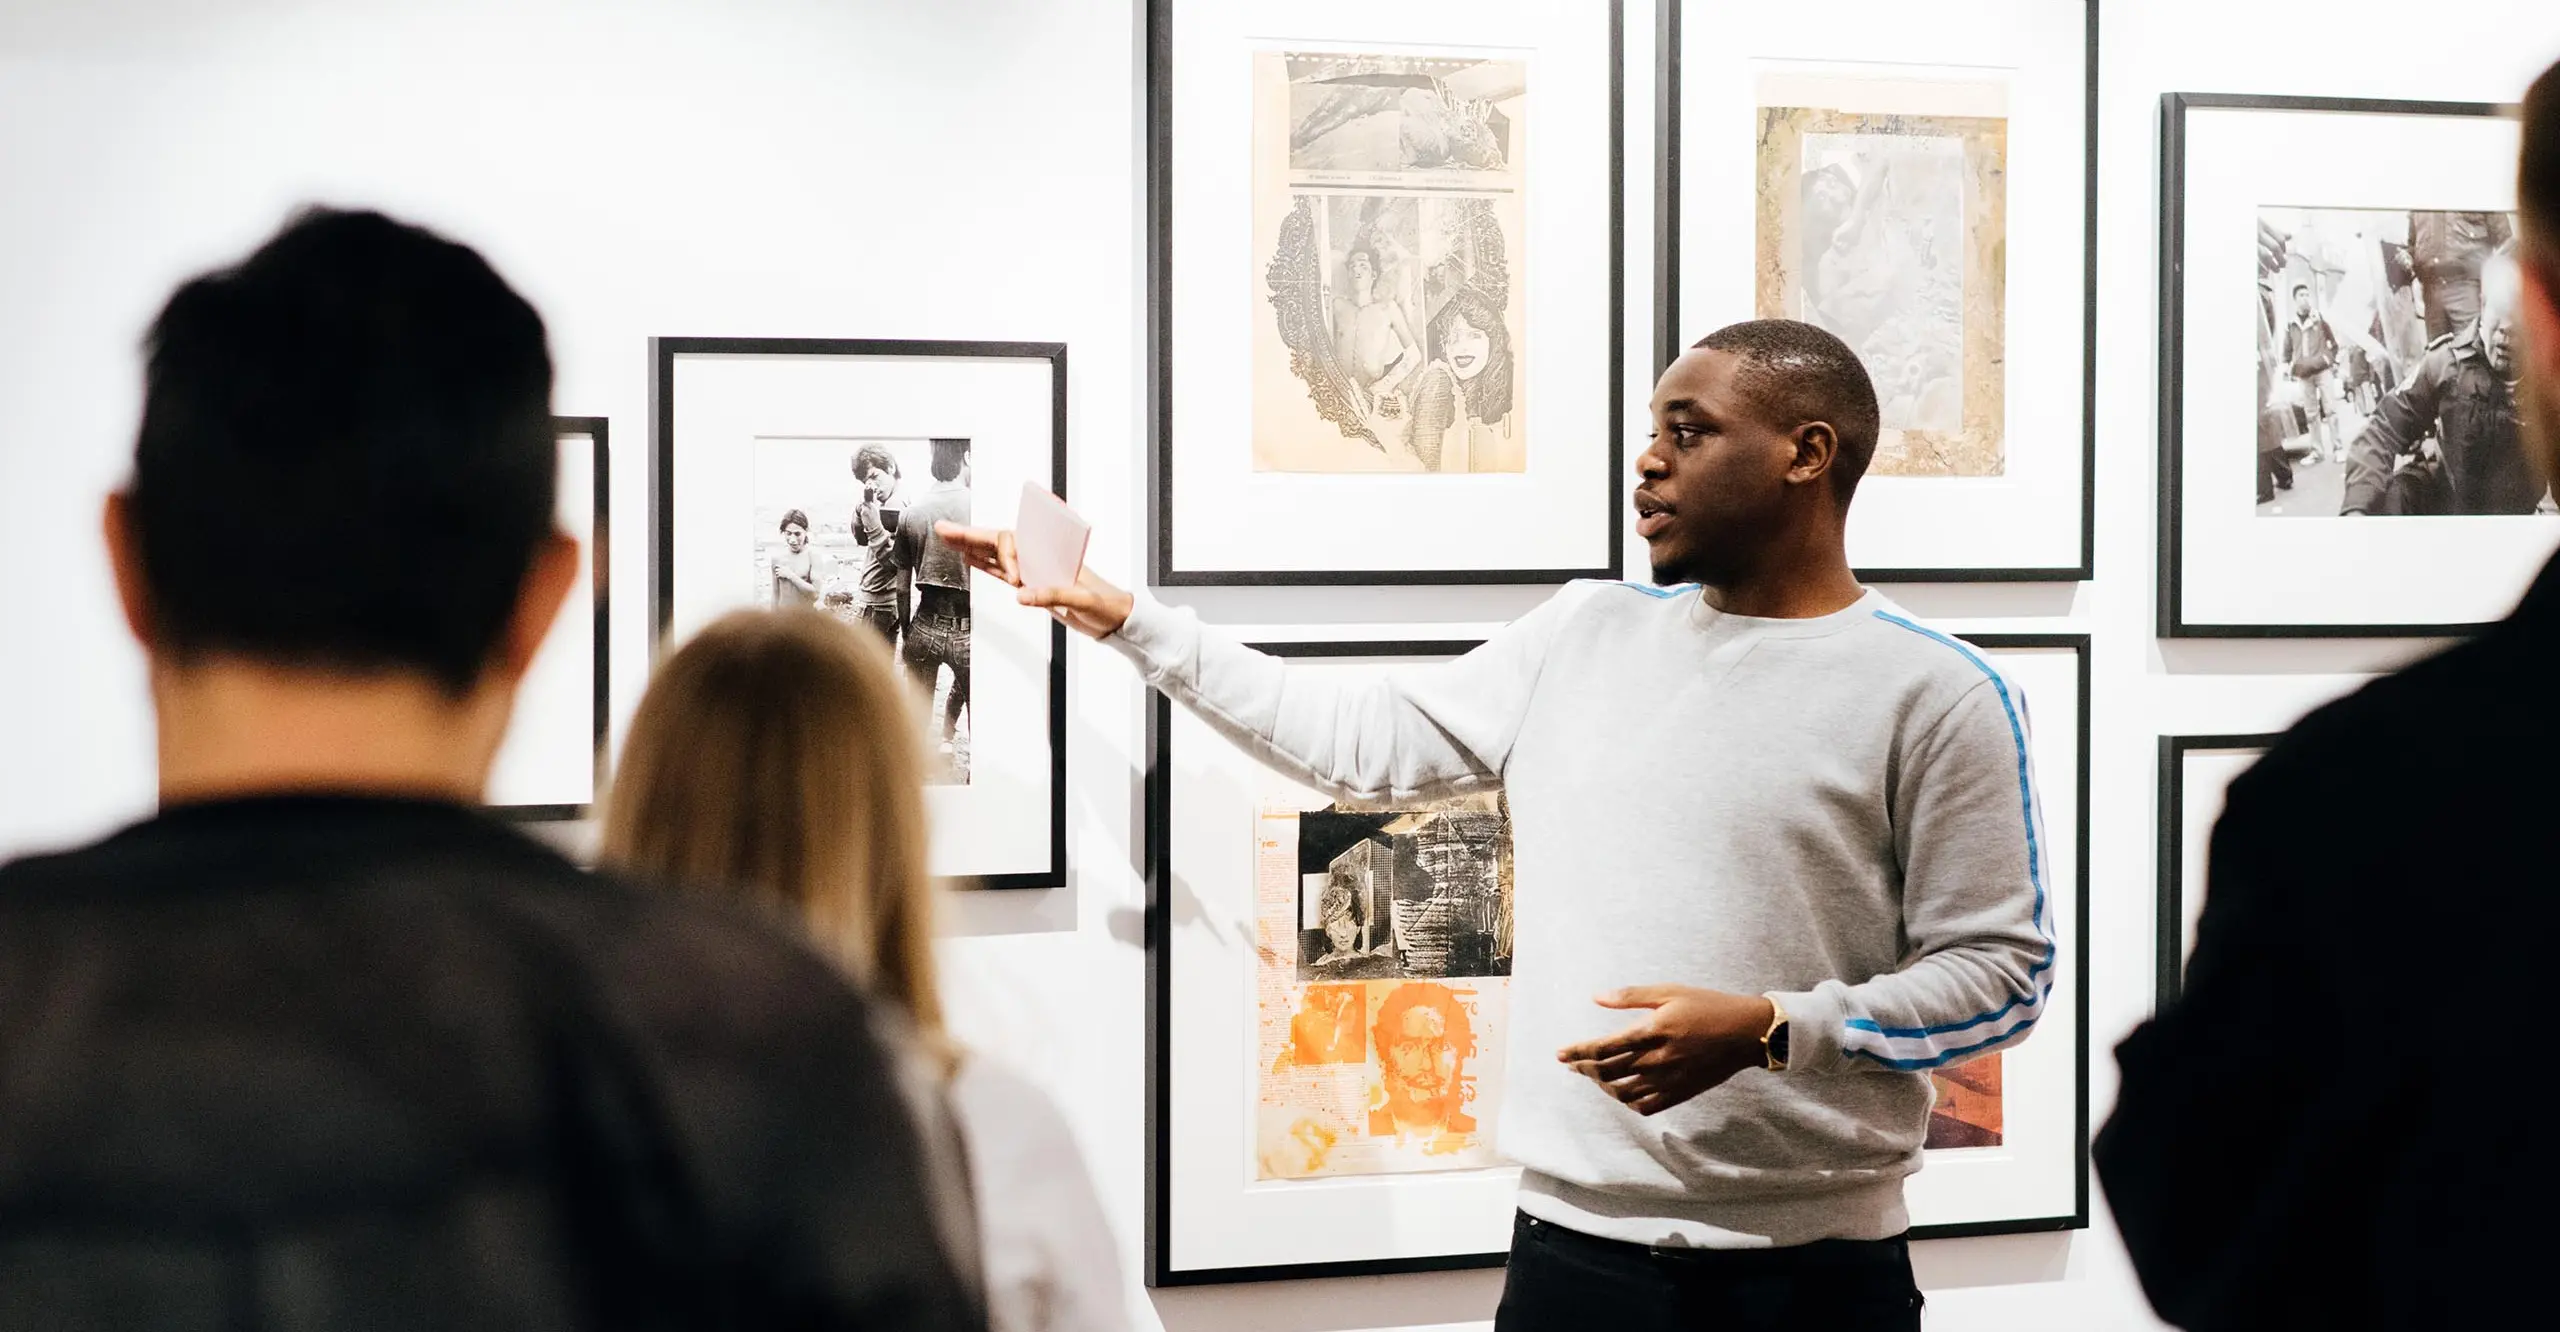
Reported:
(2174, 106)
(2078, 1218)
(1158, 1268)
(1668, 342)
(1162, 570)
(1159, 917)
(599, 561)
(2171, 921)
(663, 352)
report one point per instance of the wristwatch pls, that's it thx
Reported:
(1773, 1042)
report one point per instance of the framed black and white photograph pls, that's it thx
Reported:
(1919, 179)
(551, 762)
(809, 472)
(1385, 291)
(1329, 994)
(2195, 771)
(2341, 452)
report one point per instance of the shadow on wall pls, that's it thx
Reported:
(1421, 1302)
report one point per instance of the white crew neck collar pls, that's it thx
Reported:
(1706, 616)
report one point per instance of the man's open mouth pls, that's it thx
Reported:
(1652, 515)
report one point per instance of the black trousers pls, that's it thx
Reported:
(1562, 1279)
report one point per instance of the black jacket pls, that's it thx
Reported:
(2339, 1122)
(306, 1062)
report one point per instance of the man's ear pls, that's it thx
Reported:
(1817, 447)
(124, 557)
(556, 567)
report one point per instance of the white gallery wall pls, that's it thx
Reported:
(971, 169)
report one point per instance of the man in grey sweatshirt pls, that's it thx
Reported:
(1777, 847)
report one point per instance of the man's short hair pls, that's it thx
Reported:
(792, 518)
(949, 456)
(346, 458)
(2302, 289)
(2538, 176)
(1793, 373)
(875, 458)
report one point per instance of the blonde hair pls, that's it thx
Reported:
(776, 757)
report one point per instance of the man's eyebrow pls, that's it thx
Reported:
(1683, 405)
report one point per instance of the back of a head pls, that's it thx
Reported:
(776, 757)
(2538, 251)
(1794, 373)
(346, 459)
(2538, 176)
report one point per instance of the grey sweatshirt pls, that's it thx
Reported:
(1836, 812)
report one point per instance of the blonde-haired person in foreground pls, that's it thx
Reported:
(776, 757)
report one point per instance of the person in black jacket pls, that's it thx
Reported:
(2331, 1126)
(321, 1045)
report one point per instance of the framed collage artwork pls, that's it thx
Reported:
(1358, 214)
(1326, 1076)
(1919, 179)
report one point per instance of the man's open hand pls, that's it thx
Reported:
(1092, 607)
(1689, 1041)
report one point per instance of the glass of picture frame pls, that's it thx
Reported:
(1265, 993)
(2328, 268)
(808, 472)
(1920, 179)
(2195, 771)
(1386, 291)
(552, 760)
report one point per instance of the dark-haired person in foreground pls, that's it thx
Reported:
(2331, 1126)
(1777, 853)
(321, 1045)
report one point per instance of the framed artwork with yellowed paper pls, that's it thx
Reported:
(1918, 178)
(1330, 991)
(1386, 290)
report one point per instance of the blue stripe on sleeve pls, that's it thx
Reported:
(2035, 876)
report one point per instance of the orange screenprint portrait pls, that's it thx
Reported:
(1425, 1044)
(1329, 1026)
(1967, 1113)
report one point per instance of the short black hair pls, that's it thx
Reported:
(2538, 174)
(875, 458)
(2302, 288)
(1792, 373)
(346, 458)
(949, 455)
(792, 518)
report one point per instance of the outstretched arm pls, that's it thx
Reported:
(1424, 732)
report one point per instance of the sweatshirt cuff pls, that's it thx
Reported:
(1151, 637)
(1814, 1025)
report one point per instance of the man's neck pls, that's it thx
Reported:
(230, 727)
(1796, 580)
